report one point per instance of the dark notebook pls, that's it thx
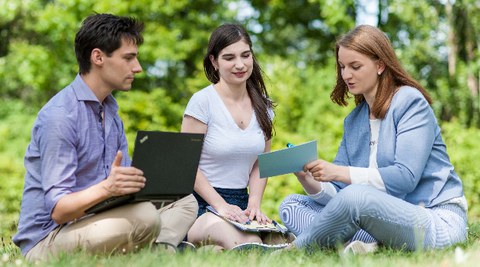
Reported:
(169, 161)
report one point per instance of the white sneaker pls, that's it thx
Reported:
(360, 248)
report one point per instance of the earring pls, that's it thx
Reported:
(379, 73)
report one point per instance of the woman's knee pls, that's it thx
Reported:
(202, 225)
(211, 229)
(289, 201)
(354, 195)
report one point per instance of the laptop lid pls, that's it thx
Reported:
(169, 161)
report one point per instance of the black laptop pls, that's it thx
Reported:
(169, 161)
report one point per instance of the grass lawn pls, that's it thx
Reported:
(467, 254)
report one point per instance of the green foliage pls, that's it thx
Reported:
(425, 51)
(37, 59)
(462, 145)
(305, 38)
(148, 111)
(15, 133)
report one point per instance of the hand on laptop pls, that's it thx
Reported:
(123, 180)
(233, 212)
(257, 214)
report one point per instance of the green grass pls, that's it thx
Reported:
(466, 254)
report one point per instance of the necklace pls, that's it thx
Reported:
(235, 104)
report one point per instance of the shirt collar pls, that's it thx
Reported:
(82, 91)
(85, 93)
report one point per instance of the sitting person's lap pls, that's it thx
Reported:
(211, 229)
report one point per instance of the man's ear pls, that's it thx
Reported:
(97, 57)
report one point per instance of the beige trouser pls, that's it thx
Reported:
(122, 229)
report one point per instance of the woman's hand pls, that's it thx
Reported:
(324, 171)
(309, 184)
(303, 176)
(256, 213)
(233, 212)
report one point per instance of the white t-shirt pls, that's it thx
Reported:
(229, 152)
(371, 175)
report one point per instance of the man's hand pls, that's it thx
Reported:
(123, 180)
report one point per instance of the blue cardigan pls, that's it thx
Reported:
(412, 157)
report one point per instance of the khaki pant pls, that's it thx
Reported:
(122, 229)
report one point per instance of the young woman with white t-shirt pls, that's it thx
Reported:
(235, 114)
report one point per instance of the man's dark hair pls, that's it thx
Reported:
(105, 32)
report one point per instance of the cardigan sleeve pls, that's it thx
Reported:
(413, 140)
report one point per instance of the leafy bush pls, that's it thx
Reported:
(15, 134)
(462, 147)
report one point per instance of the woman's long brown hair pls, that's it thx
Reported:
(373, 43)
(224, 36)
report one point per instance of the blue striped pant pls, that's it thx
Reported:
(360, 212)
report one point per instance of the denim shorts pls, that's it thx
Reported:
(238, 197)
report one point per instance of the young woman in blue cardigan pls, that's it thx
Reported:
(392, 182)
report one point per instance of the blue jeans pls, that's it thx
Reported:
(391, 221)
(238, 197)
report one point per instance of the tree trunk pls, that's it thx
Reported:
(452, 46)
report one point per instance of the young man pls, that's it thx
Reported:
(78, 157)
